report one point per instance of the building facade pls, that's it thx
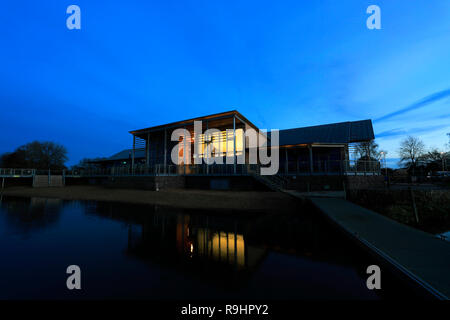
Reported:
(225, 146)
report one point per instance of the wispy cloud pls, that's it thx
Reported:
(412, 131)
(416, 105)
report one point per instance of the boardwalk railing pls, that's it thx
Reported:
(170, 170)
(17, 173)
(345, 167)
(298, 168)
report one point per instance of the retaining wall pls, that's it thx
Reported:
(145, 183)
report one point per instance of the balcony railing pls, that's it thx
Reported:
(300, 168)
(348, 167)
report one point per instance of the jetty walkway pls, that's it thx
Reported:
(421, 256)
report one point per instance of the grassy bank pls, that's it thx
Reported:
(433, 206)
(195, 199)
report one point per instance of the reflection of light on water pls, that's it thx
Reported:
(192, 248)
(222, 246)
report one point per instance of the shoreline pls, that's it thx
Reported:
(182, 198)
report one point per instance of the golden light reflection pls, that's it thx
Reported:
(222, 246)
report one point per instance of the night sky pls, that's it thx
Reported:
(283, 64)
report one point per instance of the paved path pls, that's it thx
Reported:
(420, 255)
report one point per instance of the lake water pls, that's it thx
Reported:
(142, 251)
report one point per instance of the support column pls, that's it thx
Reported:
(165, 151)
(205, 148)
(184, 151)
(234, 143)
(311, 163)
(147, 161)
(132, 154)
(286, 169)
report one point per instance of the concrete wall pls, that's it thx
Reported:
(15, 182)
(333, 182)
(145, 183)
(177, 182)
(245, 183)
(315, 183)
(300, 183)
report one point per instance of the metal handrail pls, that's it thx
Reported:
(318, 167)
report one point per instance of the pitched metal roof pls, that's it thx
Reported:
(123, 155)
(126, 154)
(191, 121)
(342, 132)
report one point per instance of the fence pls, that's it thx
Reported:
(298, 168)
(169, 170)
(17, 173)
(347, 167)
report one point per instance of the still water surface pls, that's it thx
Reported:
(142, 251)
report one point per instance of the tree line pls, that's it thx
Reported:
(415, 157)
(36, 155)
(50, 155)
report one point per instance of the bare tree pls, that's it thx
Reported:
(367, 150)
(411, 149)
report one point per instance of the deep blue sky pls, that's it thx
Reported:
(283, 64)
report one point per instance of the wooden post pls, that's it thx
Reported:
(414, 205)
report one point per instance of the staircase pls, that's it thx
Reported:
(273, 182)
(43, 181)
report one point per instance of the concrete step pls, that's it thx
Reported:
(42, 181)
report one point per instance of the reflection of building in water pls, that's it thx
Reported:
(168, 234)
(197, 238)
(221, 246)
(216, 243)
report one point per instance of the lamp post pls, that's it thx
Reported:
(442, 157)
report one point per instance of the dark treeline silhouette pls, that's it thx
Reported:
(36, 155)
